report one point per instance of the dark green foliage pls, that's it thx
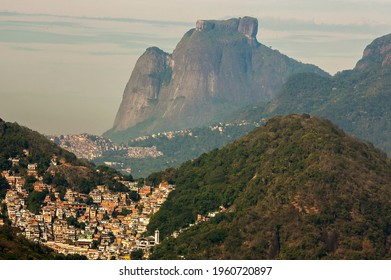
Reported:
(107, 176)
(34, 201)
(47, 178)
(3, 187)
(95, 244)
(72, 221)
(298, 188)
(62, 191)
(128, 178)
(29, 183)
(85, 185)
(5, 164)
(4, 214)
(59, 180)
(89, 201)
(118, 187)
(217, 236)
(134, 196)
(14, 247)
(137, 254)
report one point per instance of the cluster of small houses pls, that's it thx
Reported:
(102, 235)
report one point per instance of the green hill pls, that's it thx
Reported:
(14, 139)
(297, 188)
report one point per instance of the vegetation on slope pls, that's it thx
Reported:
(357, 102)
(298, 188)
(14, 139)
(178, 149)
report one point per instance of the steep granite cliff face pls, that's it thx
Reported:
(142, 91)
(216, 68)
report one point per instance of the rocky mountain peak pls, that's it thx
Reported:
(215, 69)
(376, 54)
(246, 25)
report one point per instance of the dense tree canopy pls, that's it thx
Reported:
(298, 188)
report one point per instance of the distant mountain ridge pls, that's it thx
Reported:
(358, 100)
(216, 68)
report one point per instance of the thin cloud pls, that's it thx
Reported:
(278, 24)
(16, 23)
(48, 29)
(26, 49)
(124, 20)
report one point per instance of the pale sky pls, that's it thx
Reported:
(64, 63)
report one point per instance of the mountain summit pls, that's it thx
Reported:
(216, 68)
(377, 54)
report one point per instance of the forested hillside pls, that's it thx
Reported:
(297, 188)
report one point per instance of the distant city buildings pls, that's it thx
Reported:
(85, 145)
(92, 147)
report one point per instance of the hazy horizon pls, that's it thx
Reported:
(65, 64)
